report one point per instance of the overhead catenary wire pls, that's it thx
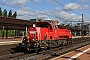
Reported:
(74, 10)
(37, 9)
(60, 5)
(21, 8)
(83, 10)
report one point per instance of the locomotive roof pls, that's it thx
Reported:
(43, 23)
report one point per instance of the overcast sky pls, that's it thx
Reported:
(61, 10)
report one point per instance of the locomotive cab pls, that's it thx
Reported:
(35, 35)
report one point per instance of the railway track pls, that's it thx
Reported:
(5, 49)
(46, 54)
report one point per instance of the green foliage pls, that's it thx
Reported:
(5, 13)
(0, 32)
(10, 13)
(0, 12)
(10, 33)
(14, 15)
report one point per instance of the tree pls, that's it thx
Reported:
(0, 12)
(14, 15)
(10, 13)
(5, 13)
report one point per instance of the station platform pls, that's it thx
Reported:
(79, 36)
(82, 53)
(12, 40)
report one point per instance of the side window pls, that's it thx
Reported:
(50, 37)
(55, 27)
(46, 26)
(42, 25)
(50, 27)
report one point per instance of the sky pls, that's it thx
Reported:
(61, 10)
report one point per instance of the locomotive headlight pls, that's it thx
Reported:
(36, 39)
(28, 37)
(33, 39)
(28, 41)
(34, 25)
(24, 39)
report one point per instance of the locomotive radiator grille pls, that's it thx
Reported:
(63, 37)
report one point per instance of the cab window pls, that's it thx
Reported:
(55, 27)
(42, 25)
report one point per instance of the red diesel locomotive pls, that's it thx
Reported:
(43, 35)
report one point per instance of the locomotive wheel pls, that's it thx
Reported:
(60, 43)
(65, 43)
(70, 40)
(28, 46)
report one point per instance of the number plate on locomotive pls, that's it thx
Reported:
(32, 32)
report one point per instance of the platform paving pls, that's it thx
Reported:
(10, 40)
(82, 53)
